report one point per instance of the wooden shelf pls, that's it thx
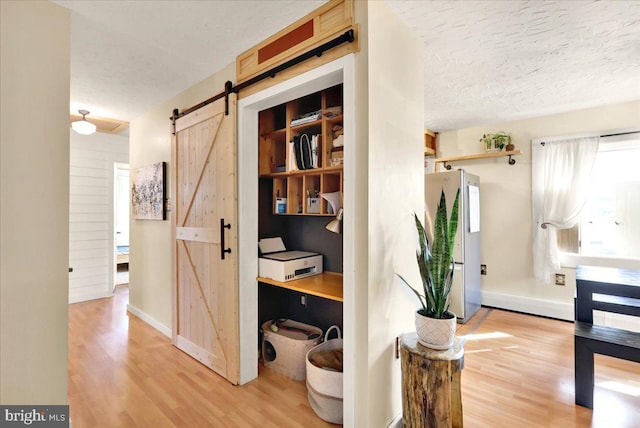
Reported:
(326, 284)
(291, 186)
(307, 214)
(301, 172)
(480, 156)
(334, 119)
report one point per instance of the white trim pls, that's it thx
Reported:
(348, 242)
(339, 71)
(247, 240)
(150, 320)
(529, 305)
(396, 422)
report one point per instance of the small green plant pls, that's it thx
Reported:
(495, 141)
(435, 261)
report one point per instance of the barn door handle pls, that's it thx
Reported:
(222, 245)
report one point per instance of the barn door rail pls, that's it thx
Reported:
(346, 37)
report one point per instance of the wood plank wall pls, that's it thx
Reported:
(91, 212)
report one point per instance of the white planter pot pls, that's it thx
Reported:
(435, 333)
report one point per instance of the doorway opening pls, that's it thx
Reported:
(121, 207)
(340, 71)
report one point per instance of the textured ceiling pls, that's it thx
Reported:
(128, 56)
(486, 61)
(492, 61)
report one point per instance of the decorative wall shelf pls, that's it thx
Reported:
(510, 154)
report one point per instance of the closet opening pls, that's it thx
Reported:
(267, 172)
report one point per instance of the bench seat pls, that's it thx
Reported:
(608, 290)
(610, 341)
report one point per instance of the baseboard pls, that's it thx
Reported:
(150, 320)
(396, 422)
(73, 298)
(529, 305)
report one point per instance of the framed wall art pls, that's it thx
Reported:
(148, 192)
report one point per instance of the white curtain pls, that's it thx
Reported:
(566, 173)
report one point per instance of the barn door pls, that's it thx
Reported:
(205, 299)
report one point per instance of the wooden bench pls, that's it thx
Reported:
(608, 290)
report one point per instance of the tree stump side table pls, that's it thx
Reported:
(431, 395)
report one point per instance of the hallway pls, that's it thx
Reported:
(518, 372)
(124, 373)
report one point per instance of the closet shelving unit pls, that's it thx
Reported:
(275, 159)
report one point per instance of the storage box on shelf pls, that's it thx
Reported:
(301, 159)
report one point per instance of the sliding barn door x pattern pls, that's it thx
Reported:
(205, 322)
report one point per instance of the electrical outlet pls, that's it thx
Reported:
(303, 300)
(560, 279)
(483, 269)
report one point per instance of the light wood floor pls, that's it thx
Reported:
(518, 373)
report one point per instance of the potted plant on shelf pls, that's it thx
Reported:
(435, 324)
(496, 142)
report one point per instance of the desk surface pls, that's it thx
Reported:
(326, 284)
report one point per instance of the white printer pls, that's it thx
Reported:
(281, 265)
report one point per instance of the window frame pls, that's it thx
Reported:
(571, 260)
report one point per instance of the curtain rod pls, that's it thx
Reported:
(542, 143)
(620, 133)
(346, 37)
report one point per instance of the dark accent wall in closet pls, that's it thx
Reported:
(303, 233)
(276, 302)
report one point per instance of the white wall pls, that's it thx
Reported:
(34, 207)
(505, 194)
(395, 191)
(91, 213)
(150, 241)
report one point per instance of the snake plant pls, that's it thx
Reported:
(435, 261)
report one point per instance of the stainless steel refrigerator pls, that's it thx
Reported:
(465, 291)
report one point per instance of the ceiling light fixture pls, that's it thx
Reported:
(83, 126)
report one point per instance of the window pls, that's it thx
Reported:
(610, 220)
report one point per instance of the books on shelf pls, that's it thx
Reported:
(293, 160)
(329, 112)
(306, 118)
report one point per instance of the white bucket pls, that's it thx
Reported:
(325, 391)
(284, 350)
